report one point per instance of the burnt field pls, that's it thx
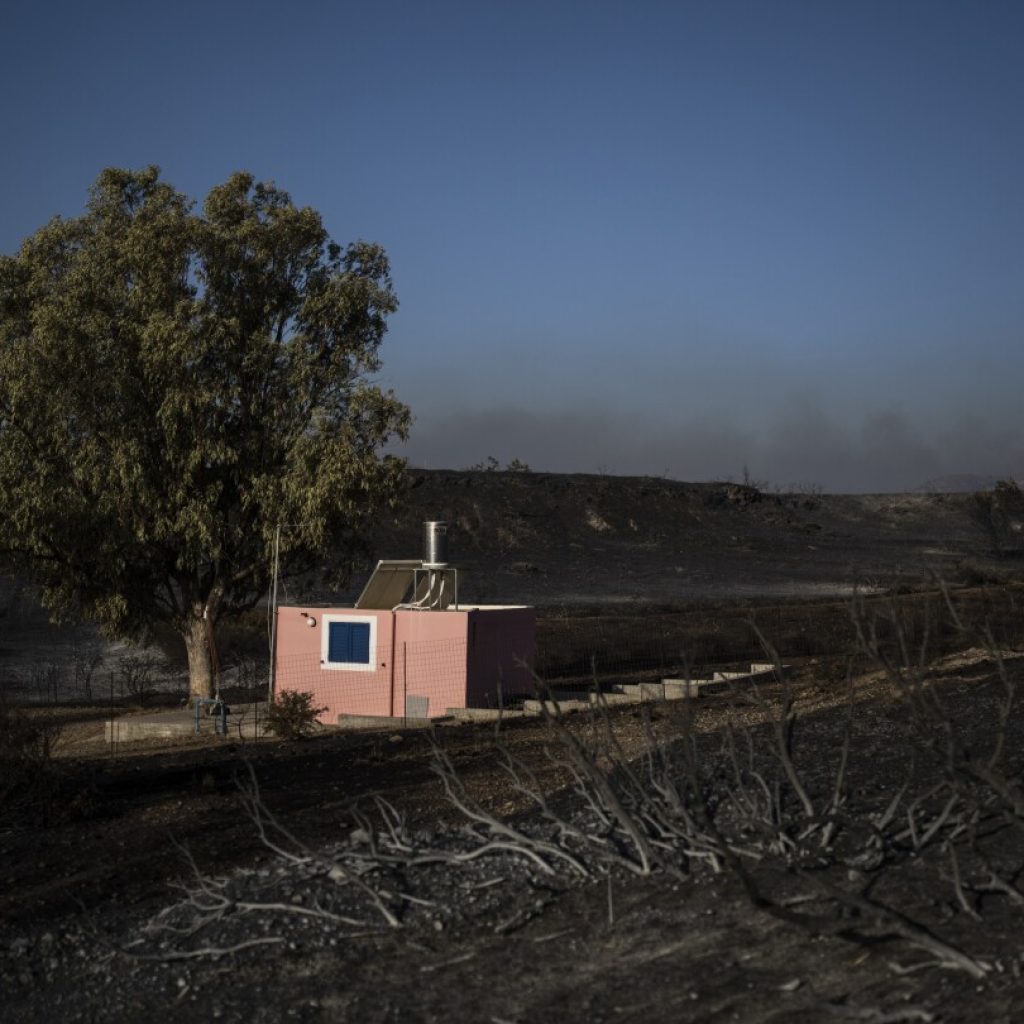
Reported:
(843, 842)
(630, 572)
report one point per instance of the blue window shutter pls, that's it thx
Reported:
(359, 641)
(349, 642)
(337, 647)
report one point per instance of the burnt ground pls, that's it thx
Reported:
(620, 547)
(549, 539)
(92, 859)
(500, 939)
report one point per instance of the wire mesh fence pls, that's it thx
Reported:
(573, 650)
(419, 680)
(716, 634)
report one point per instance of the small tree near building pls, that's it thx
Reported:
(173, 385)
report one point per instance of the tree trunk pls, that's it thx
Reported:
(200, 662)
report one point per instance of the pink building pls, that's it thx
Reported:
(407, 649)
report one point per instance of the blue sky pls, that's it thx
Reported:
(676, 238)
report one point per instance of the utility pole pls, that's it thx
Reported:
(273, 614)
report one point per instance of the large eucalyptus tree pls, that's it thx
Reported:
(175, 383)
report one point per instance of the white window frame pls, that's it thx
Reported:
(347, 666)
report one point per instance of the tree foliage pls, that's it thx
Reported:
(175, 383)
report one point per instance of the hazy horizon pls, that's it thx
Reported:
(663, 239)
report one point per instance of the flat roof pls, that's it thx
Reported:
(487, 607)
(425, 611)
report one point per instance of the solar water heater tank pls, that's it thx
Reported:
(435, 544)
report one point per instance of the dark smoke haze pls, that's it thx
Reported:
(802, 447)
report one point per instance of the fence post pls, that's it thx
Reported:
(112, 725)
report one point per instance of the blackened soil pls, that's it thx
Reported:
(503, 941)
(549, 539)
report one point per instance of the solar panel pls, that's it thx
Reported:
(390, 583)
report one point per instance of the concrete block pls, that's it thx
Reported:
(158, 726)
(613, 698)
(760, 672)
(247, 719)
(643, 691)
(482, 714)
(681, 689)
(383, 722)
(767, 669)
(533, 707)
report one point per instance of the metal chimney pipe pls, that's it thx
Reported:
(435, 544)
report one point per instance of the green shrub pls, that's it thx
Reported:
(292, 716)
